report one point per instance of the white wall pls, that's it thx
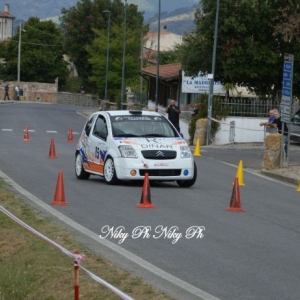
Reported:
(6, 28)
(247, 130)
(168, 41)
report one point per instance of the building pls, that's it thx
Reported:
(169, 74)
(169, 85)
(168, 40)
(6, 23)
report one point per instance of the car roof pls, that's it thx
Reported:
(129, 113)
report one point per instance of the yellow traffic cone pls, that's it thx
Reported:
(197, 148)
(240, 174)
(298, 189)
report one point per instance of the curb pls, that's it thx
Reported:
(280, 177)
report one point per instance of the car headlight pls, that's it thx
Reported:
(185, 152)
(127, 151)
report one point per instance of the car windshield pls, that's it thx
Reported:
(141, 126)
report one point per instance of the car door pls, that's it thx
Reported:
(98, 145)
(294, 127)
(84, 142)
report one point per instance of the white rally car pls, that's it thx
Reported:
(124, 145)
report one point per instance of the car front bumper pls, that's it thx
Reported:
(163, 170)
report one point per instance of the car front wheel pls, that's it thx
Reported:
(79, 170)
(188, 183)
(110, 175)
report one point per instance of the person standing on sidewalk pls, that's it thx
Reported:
(17, 90)
(271, 117)
(6, 89)
(278, 123)
(173, 112)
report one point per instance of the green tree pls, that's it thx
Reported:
(169, 57)
(250, 44)
(41, 54)
(85, 29)
(97, 60)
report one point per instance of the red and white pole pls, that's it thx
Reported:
(77, 258)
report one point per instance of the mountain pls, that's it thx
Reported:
(178, 21)
(24, 9)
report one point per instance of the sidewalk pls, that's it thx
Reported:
(252, 154)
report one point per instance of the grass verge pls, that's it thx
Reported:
(32, 269)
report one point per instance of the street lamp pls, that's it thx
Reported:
(19, 53)
(211, 81)
(157, 58)
(107, 54)
(124, 48)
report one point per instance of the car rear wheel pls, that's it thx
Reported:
(188, 183)
(79, 170)
(110, 175)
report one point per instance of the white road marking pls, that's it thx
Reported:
(51, 131)
(4, 129)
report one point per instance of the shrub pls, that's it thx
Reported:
(217, 113)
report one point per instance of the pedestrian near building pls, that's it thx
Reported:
(173, 112)
(271, 117)
(17, 92)
(6, 89)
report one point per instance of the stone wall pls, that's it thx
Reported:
(77, 99)
(31, 91)
(47, 92)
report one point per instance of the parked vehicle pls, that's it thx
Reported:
(125, 145)
(294, 127)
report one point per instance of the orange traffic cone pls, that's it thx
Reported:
(235, 202)
(59, 196)
(70, 136)
(26, 135)
(146, 197)
(52, 153)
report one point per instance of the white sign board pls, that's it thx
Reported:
(200, 84)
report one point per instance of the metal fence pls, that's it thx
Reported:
(253, 107)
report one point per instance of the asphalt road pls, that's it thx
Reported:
(250, 255)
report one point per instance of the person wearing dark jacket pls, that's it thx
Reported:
(6, 88)
(173, 112)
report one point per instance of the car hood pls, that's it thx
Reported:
(152, 143)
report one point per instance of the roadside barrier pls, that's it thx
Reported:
(76, 256)
(146, 196)
(244, 128)
(235, 201)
